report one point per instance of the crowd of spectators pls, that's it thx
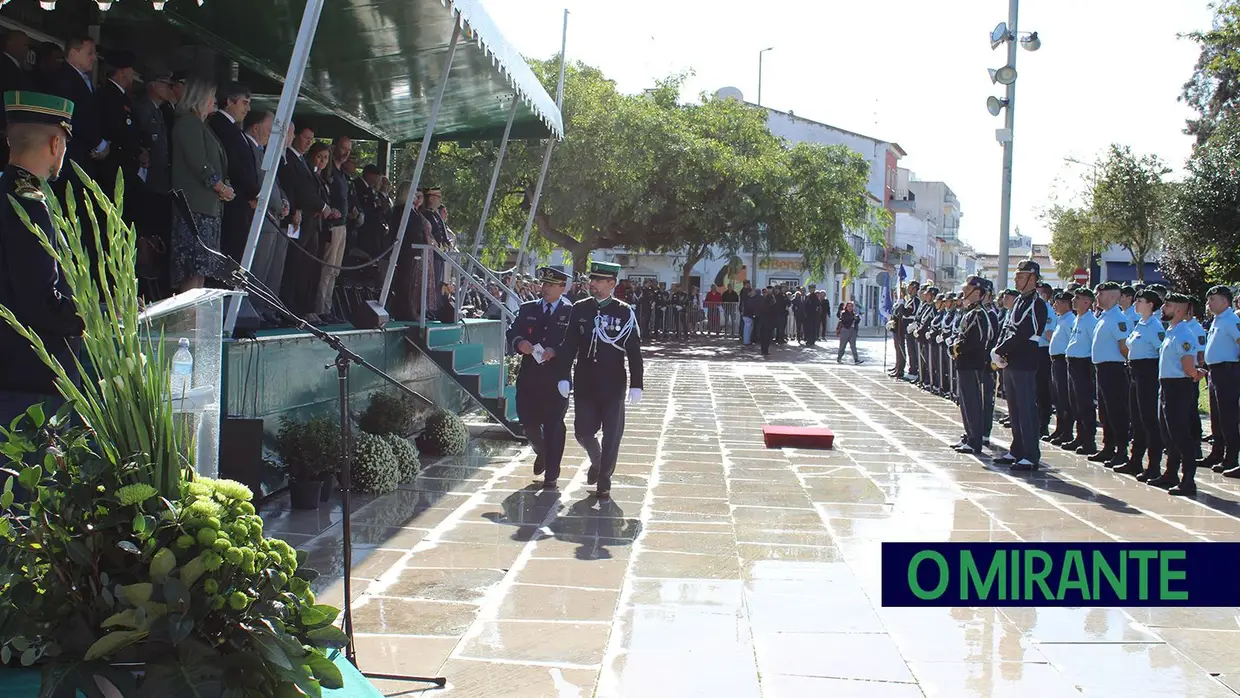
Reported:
(330, 217)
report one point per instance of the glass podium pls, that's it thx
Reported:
(198, 316)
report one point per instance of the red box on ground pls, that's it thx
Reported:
(777, 436)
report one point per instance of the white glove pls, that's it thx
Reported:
(562, 386)
(635, 395)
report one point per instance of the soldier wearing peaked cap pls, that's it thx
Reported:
(602, 334)
(1017, 349)
(536, 332)
(30, 280)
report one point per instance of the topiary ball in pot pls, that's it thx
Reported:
(388, 413)
(406, 457)
(375, 468)
(445, 435)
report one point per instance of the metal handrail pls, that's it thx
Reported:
(492, 276)
(508, 315)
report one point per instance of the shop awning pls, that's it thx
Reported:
(374, 64)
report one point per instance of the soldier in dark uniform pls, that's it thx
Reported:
(602, 332)
(536, 332)
(1018, 348)
(30, 282)
(970, 349)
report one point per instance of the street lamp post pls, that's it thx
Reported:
(770, 48)
(1007, 33)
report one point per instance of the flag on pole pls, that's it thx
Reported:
(903, 275)
(885, 308)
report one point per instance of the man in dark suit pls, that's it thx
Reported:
(301, 186)
(75, 82)
(154, 220)
(233, 103)
(272, 249)
(126, 155)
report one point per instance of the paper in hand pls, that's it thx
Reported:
(537, 353)
(293, 232)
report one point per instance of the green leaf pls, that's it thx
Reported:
(112, 643)
(30, 477)
(6, 654)
(325, 670)
(329, 636)
(129, 547)
(270, 649)
(127, 618)
(193, 570)
(136, 594)
(29, 656)
(5, 527)
(176, 594)
(319, 615)
(20, 643)
(35, 412)
(162, 565)
(79, 553)
(139, 523)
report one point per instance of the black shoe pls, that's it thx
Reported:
(1130, 468)
(1086, 449)
(591, 476)
(1148, 474)
(1210, 461)
(1232, 473)
(1219, 467)
(1103, 456)
(1184, 489)
(539, 466)
(602, 494)
(1062, 440)
(1165, 481)
(1004, 460)
(1024, 466)
(1119, 461)
(550, 485)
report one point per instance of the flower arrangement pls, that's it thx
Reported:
(388, 413)
(375, 467)
(513, 366)
(407, 461)
(117, 564)
(446, 434)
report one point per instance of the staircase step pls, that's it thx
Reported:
(488, 376)
(443, 335)
(463, 355)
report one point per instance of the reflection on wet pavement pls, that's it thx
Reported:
(720, 568)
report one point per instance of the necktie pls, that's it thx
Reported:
(546, 311)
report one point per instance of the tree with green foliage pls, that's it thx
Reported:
(1129, 204)
(1208, 213)
(1213, 91)
(651, 173)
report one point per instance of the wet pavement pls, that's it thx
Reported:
(722, 568)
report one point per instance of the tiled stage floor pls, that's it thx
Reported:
(724, 569)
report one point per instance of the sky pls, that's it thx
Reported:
(913, 72)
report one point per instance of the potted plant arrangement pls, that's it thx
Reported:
(407, 461)
(375, 467)
(311, 454)
(446, 434)
(388, 413)
(121, 571)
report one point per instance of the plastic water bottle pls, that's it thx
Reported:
(182, 370)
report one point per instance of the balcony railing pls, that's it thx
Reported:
(906, 205)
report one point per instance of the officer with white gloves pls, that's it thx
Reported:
(602, 332)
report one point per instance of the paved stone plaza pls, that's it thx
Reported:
(727, 570)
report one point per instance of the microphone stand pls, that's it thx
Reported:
(243, 280)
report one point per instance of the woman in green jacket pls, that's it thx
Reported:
(199, 167)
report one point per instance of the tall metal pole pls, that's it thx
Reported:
(546, 163)
(275, 145)
(417, 168)
(1005, 211)
(760, 72)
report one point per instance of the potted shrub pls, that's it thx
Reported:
(446, 434)
(375, 467)
(406, 454)
(388, 413)
(122, 570)
(311, 454)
